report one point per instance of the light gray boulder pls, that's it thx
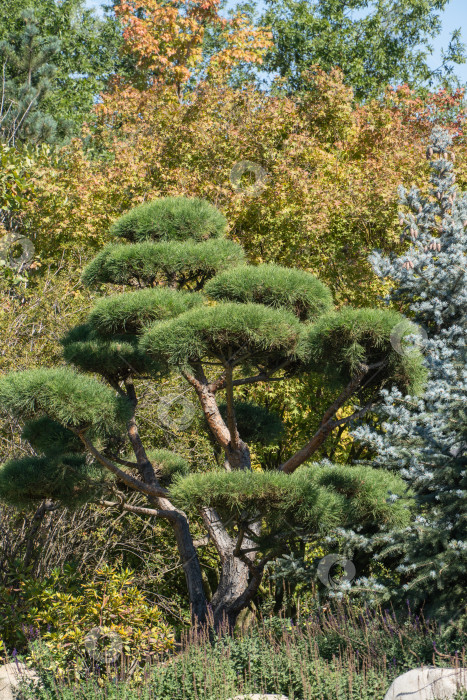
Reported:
(11, 675)
(428, 683)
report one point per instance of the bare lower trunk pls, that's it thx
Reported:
(176, 517)
(227, 601)
(192, 569)
(240, 578)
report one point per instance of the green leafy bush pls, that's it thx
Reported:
(98, 626)
(338, 654)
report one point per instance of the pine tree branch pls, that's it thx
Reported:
(231, 422)
(135, 484)
(152, 512)
(145, 467)
(327, 424)
(209, 405)
(124, 462)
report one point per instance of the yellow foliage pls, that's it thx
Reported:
(103, 625)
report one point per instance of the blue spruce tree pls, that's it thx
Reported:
(425, 437)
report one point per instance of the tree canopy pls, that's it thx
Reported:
(249, 325)
(374, 44)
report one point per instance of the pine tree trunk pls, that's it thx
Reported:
(229, 595)
(239, 579)
(192, 569)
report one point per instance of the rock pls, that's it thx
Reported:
(259, 697)
(428, 683)
(11, 675)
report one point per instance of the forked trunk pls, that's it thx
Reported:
(238, 458)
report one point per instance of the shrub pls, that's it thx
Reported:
(99, 626)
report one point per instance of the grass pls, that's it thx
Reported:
(334, 655)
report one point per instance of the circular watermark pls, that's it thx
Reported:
(103, 645)
(176, 411)
(248, 177)
(16, 251)
(407, 337)
(334, 569)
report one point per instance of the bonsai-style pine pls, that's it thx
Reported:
(193, 306)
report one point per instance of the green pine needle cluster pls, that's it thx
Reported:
(67, 397)
(272, 285)
(173, 262)
(341, 341)
(222, 332)
(171, 219)
(131, 311)
(47, 436)
(168, 465)
(318, 497)
(65, 478)
(114, 358)
(59, 472)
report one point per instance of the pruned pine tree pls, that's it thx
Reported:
(425, 437)
(195, 307)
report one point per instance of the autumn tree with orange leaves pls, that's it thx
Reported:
(167, 40)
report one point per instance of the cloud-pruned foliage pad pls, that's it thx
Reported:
(318, 496)
(65, 478)
(281, 287)
(221, 331)
(117, 357)
(340, 341)
(130, 312)
(47, 436)
(65, 396)
(171, 219)
(170, 262)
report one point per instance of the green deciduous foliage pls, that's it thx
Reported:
(86, 626)
(329, 197)
(374, 43)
